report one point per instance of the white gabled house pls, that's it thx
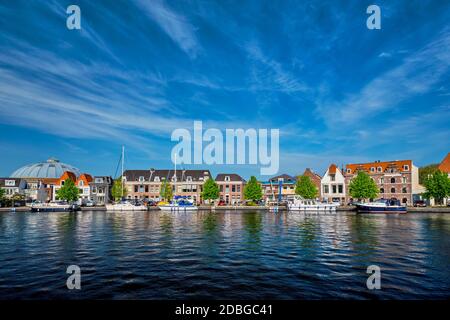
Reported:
(333, 185)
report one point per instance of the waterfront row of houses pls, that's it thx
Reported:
(395, 179)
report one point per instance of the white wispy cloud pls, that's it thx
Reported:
(416, 75)
(175, 25)
(270, 75)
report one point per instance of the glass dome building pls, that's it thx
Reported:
(52, 168)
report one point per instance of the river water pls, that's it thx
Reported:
(224, 255)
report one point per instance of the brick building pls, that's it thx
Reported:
(231, 187)
(395, 179)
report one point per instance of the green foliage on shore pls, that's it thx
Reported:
(363, 187)
(427, 171)
(210, 190)
(166, 192)
(116, 190)
(305, 188)
(2, 194)
(437, 186)
(253, 190)
(69, 191)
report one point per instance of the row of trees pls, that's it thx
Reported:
(361, 187)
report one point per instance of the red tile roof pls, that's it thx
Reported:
(332, 169)
(399, 164)
(445, 164)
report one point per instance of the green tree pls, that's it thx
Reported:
(437, 186)
(166, 191)
(305, 188)
(69, 191)
(210, 190)
(363, 187)
(2, 195)
(252, 190)
(116, 190)
(426, 172)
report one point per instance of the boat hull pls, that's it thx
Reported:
(312, 208)
(67, 208)
(178, 208)
(361, 208)
(124, 207)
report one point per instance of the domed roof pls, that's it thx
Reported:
(52, 168)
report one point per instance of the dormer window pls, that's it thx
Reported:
(349, 171)
(189, 179)
(10, 183)
(156, 179)
(227, 178)
(372, 169)
(174, 179)
(141, 179)
(406, 167)
(379, 169)
(281, 179)
(81, 183)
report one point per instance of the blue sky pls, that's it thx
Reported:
(137, 70)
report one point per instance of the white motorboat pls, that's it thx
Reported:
(126, 206)
(309, 205)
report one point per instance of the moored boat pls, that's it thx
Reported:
(381, 206)
(178, 204)
(126, 206)
(54, 207)
(300, 204)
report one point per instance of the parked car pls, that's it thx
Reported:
(89, 203)
(420, 203)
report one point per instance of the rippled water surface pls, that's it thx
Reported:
(224, 255)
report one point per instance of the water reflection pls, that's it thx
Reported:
(228, 255)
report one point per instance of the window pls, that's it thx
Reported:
(238, 188)
(406, 167)
(334, 188)
(392, 190)
(404, 180)
(227, 178)
(326, 189)
(392, 180)
(349, 171)
(146, 188)
(381, 180)
(10, 183)
(404, 190)
(372, 169)
(333, 177)
(141, 179)
(156, 179)
(81, 183)
(381, 190)
(379, 169)
(174, 178)
(221, 188)
(233, 188)
(340, 188)
(189, 179)
(135, 188)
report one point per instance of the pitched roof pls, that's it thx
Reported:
(445, 164)
(233, 177)
(397, 164)
(308, 172)
(150, 175)
(332, 169)
(285, 177)
(16, 182)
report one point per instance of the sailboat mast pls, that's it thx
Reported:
(175, 182)
(123, 155)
